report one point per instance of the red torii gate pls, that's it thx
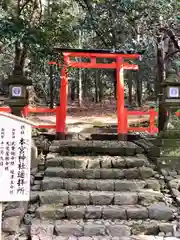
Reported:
(119, 65)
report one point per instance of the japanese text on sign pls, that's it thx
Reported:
(15, 153)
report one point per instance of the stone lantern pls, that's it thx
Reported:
(171, 94)
(168, 140)
(18, 97)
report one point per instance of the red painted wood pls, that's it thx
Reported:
(5, 109)
(62, 110)
(41, 110)
(121, 129)
(101, 55)
(48, 126)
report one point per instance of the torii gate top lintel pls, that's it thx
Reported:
(93, 54)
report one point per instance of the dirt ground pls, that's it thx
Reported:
(88, 116)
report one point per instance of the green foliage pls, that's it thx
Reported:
(37, 28)
(55, 26)
(110, 24)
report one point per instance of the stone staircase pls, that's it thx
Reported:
(102, 190)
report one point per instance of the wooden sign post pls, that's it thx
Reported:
(15, 159)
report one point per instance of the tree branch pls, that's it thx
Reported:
(171, 54)
(114, 40)
(17, 58)
(95, 27)
(173, 38)
(23, 56)
(21, 8)
(37, 5)
(171, 35)
(40, 5)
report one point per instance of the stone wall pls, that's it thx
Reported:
(168, 166)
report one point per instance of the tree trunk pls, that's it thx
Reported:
(80, 95)
(156, 85)
(96, 84)
(85, 85)
(20, 57)
(130, 85)
(100, 86)
(73, 91)
(138, 89)
(161, 75)
(32, 97)
(51, 87)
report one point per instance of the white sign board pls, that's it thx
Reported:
(15, 159)
(16, 91)
(173, 92)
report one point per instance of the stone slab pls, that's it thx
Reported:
(55, 160)
(110, 212)
(132, 194)
(114, 230)
(52, 183)
(101, 173)
(120, 148)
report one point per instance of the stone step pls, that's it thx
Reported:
(90, 162)
(68, 184)
(144, 197)
(125, 212)
(120, 148)
(105, 229)
(101, 173)
(139, 237)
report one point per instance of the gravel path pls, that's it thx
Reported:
(78, 124)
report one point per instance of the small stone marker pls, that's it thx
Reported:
(15, 159)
